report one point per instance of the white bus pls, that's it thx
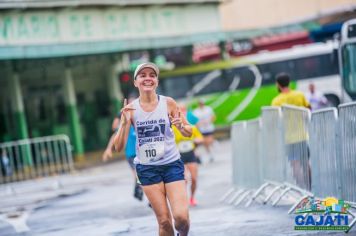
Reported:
(237, 88)
(315, 63)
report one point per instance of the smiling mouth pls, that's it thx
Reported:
(148, 84)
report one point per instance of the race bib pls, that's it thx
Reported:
(151, 140)
(185, 146)
(151, 152)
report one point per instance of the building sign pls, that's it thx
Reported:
(35, 27)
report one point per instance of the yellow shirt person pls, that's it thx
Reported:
(186, 144)
(295, 98)
(292, 97)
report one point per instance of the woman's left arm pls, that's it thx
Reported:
(178, 119)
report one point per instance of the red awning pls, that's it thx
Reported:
(281, 38)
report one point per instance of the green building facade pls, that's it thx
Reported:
(60, 65)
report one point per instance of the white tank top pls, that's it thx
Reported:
(155, 144)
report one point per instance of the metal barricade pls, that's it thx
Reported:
(324, 156)
(287, 146)
(273, 154)
(246, 154)
(236, 138)
(295, 122)
(347, 119)
(31, 158)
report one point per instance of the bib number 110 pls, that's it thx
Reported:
(150, 152)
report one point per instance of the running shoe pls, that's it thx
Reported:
(138, 192)
(192, 202)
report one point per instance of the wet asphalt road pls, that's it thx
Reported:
(99, 201)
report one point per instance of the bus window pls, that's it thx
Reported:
(211, 82)
(176, 87)
(308, 67)
(349, 67)
(270, 70)
(245, 75)
(347, 57)
(316, 66)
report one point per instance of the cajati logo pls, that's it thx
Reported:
(327, 214)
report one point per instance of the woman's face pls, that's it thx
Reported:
(146, 80)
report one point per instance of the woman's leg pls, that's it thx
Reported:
(138, 193)
(186, 174)
(193, 170)
(208, 141)
(177, 196)
(156, 194)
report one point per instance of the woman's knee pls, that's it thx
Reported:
(194, 181)
(165, 223)
(181, 221)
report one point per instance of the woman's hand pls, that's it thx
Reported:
(177, 120)
(126, 113)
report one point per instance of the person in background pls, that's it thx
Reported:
(286, 95)
(316, 99)
(193, 120)
(186, 147)
(5, 164)
(130, 151)
(205, 124)
(296, 143)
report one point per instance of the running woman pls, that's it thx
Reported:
(158, 165)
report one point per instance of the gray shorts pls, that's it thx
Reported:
(298, 151)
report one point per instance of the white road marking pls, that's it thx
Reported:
(17, 220)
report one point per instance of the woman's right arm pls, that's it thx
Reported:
(124, 127)
(120, 138)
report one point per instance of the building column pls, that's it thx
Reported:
(114, 88)
(5, 92)
(19, 115)
(73, 117)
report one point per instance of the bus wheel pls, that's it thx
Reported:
(333, 100)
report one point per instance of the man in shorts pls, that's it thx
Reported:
(296, 142)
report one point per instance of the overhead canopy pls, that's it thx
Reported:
(13, 4)
(85, 30)
(72, 49)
